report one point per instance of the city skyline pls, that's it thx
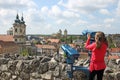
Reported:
(48, 16)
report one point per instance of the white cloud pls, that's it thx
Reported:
(104, 11)
(87, 6)
(110, 20)
(44, 9)
(108, 25)
(62, 22)
(69, 14)
(55, 11)
(17, 4)
(118, 9)
(79, 22)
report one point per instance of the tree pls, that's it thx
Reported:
(24, 52)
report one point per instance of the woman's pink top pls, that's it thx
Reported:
(97, 58)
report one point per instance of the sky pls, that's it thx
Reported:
(49, 16)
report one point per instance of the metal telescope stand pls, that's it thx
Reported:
(73, 68)
(71, 56)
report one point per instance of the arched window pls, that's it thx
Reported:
(20, 30)
(15, 39)
(15, 29)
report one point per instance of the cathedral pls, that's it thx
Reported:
(18, 31)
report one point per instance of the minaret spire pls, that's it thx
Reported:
(22, 19)
(17, 19)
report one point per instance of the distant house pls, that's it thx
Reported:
(53, 41)
(114, 57)
(78, 42)
(45, 49)
(115, 53)
(8, 47)
(7, 38)
(73, 45)
(114, 50)
(7, 44)
(116, 40)
(32, 50)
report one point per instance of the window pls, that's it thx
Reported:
(16, 30)
(20, 30)
(15, 39)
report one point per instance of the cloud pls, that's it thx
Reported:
(87, 6)
(118, 9)
(70, 14)
(104, 12)
(44, 10)
(17, 4)
(55, 10)
(62, 21)
(110, 20)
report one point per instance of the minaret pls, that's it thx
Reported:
(60, 31)
(19, 30)
(65, 33)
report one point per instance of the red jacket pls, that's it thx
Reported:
(97, 58)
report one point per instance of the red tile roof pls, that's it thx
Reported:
(46, 46)
(114, 57)
(72, 45)
(7, 44)
(54, 40)
(114, 50)
(8, 38)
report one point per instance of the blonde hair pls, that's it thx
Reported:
(100, 38)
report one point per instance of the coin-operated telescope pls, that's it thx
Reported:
(92, 34)
(71, 56)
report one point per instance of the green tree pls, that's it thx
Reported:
(24, 52)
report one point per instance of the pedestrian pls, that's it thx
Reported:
(98, 50)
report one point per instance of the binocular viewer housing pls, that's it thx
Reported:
(70, 53)
(92, 34)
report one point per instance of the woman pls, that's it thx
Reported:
(98, 48)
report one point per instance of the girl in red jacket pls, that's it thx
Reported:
(98, 48)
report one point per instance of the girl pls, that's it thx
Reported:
(98, 48)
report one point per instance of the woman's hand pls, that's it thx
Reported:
(88, 36)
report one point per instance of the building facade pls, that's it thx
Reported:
(8, 47)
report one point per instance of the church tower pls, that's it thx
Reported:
(19, 30)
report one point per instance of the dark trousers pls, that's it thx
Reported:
(99, 74)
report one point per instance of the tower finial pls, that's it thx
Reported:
(17, 19)
(22, 19)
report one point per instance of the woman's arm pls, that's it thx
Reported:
(88, 45)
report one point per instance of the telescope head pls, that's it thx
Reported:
(71, 53)
(92, 34)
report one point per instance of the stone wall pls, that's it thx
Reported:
(15, 67)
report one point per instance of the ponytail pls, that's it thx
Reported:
(98, 42)
(99, 39)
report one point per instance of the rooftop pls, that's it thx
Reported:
(7, 38)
